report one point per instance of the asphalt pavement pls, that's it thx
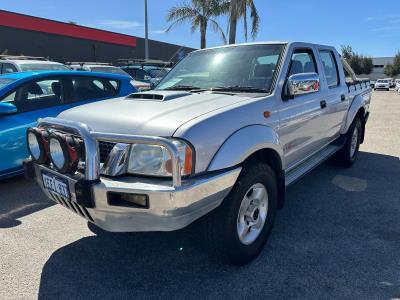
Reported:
(338, 237)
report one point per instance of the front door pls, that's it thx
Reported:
(35, 99)
(300, 117)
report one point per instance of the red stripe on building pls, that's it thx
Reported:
(19, 21)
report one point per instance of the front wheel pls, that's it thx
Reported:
(240, 227)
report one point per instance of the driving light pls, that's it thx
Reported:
(57, 155)
(154, 160)
(64, 152)
(37, 141)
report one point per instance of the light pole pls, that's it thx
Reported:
(146, 32)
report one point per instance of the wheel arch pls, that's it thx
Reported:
(248, 145)
(357, 109)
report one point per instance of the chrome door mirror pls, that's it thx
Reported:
(303, 83)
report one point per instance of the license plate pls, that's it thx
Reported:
(56, 184)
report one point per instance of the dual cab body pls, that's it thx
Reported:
(224, 132)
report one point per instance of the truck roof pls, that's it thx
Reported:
(270, 43)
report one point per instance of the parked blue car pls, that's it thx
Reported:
(27, 96)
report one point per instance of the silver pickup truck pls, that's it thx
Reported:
(221, 136)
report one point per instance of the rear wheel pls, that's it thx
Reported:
(348, 154)
(240, 227)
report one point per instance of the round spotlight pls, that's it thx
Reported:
(57, 155)
(63, 152)
(37, 144)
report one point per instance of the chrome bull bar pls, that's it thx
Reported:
(91, 140)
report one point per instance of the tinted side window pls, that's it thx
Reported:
(303, 61)
(37, 95)
(9, 68)
(88, 88)
(330, 67)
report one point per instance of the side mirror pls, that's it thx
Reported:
(301, 84)
(7, 109)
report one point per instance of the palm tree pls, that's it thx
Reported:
(238, 10)
(200, 13)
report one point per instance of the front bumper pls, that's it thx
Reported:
(170, 208)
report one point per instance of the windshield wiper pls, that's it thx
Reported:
(182, 88)
(239, 89)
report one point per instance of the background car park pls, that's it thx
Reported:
(12, 64)
(27, 96)
(108, 68)
(149, 71)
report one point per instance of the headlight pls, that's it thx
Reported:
(155, 160)
(36, 140)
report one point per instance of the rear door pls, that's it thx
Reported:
(335, 94)
(300, 118)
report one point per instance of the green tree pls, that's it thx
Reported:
(393, 70)
(199, 13)
(239, 9)
(347, 52)
(361, 64)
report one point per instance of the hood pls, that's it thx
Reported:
(158, 113)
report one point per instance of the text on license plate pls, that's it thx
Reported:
(56, 184)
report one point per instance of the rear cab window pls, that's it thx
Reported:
(330, 68)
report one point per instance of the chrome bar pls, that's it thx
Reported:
(91, 139)
(92, 158)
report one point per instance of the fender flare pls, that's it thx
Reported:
(357, 103)
(243, 143)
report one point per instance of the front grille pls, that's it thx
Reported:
(105, 149)
(71, 205)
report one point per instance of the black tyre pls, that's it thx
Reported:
(348, 154)
(240, 227)
(387, 90)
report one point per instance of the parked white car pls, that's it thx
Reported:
(397, 84)
(391, 82)
(12, 64)
(382, 84)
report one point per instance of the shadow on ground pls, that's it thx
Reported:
(20, 197)
(337, 237)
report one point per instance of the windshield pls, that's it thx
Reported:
(43, 67)
(249, 66)
(113, 70)
(5, 81)
(382, 81)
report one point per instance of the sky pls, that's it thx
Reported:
(370, 27)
